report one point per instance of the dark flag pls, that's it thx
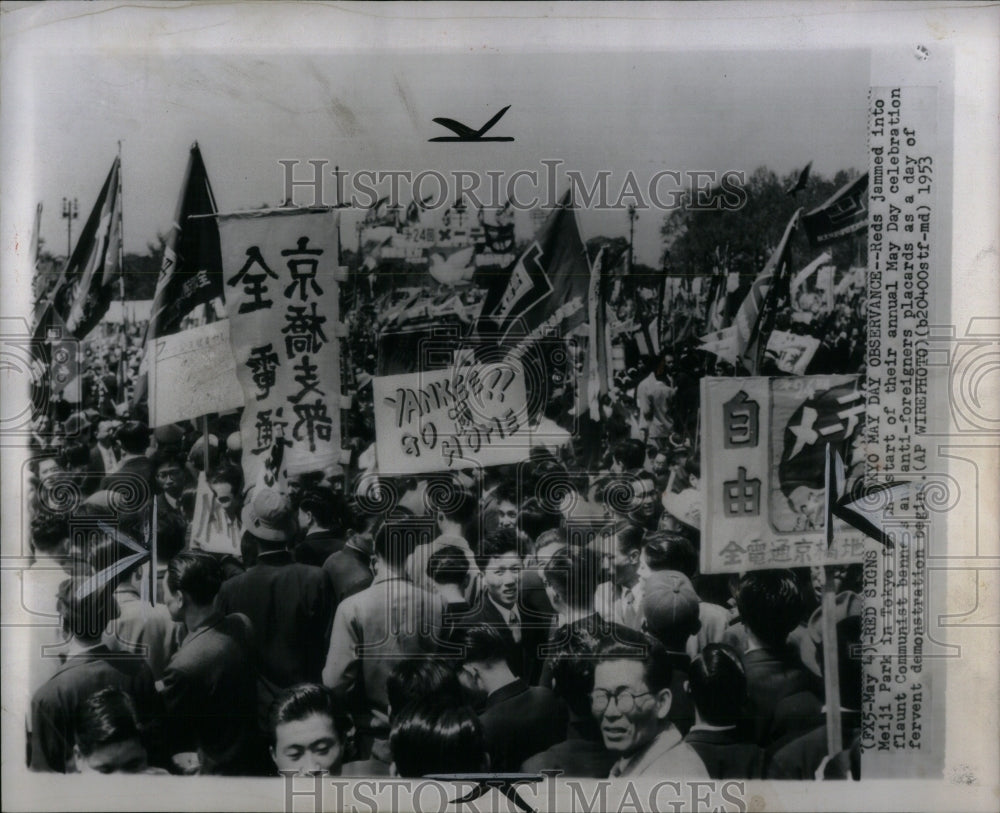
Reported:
(548, 283)
(86, 285)
(191, 271)
(843, 214)
(755, 318)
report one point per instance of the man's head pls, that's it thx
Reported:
(108, 738)
(667, 550)
(48, 467)
(169, 471)
(50, 534)
(449, 565)
(320, 510)
(629, 455)
(133, 437)
(573, 675)
(571, 576)
(717, 684)
(86, 606)
(310, 734)
(226, 483)
(631, 696)
(770, 605)
(671, 609)
(394, 542)
(484, 666)
(418, 678)
(644, 504)
(435, 736)
(620, 546)
(503, 505)
(455, 509)
(501, 564)
(191, 584)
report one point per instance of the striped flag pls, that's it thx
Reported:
(86, 285)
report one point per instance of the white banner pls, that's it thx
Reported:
(282, 296)
(211, 529)
(763, 444)
(192, 374)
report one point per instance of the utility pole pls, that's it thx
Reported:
(70, 212)
(632, 217)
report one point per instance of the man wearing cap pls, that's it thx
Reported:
(631, 702)
(288, 603)
(671, 610)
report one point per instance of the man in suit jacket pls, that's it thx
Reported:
(84, 609)
(134, 476)
(373, 629)
(349, 570)
(321, 512)
(287, 603)
(209, 687)
(518, 720)
(770, 606)
(103, 454)
(499, 605)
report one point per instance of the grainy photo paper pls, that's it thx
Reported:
(540, 407)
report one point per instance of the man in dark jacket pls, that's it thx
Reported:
(209, 687)
(349, 570)
(85, 608)
(321, 513)
(134, 476)
(518, 720)
(287, 603)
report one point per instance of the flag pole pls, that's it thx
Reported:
(831, 668)
(152, 556)
(123, 335)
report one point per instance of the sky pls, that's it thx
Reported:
(619, 111)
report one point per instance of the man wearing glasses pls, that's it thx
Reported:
(631, 702)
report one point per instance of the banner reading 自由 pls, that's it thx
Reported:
(281, 272)
(763, 443)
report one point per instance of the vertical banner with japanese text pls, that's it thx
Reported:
(280, 271)
(763, 442)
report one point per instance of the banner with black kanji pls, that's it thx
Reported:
(763, 446)
(281, 277)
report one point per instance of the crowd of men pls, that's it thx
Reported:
(548, 615)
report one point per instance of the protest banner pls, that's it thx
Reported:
(211, 529)
(469, 414)
(282, 297)
(763, 456)
(791, 352)
(192, 373)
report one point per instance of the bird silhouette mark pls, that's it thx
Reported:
(465, 133)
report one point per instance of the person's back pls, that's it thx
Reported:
(348, 571)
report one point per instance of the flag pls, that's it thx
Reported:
(791, 352)
(86, 285)
(547, 285)
(597, 372)
(868, 512)
(755, 317)
(844, 213)
(191, 272)
(802, 276)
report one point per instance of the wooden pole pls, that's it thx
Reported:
(152, 557)
(831, 670)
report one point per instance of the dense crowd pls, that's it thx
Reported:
(546, 615)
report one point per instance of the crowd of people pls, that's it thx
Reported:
(548, 615)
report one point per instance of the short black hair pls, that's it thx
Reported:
(133, 436)
(572, 664)
(656, 669)
(49, 530)
(108, 716)
(534, 520)
(669, 550)
(85, 605)
(456, 502)
(717, 683)
(448, 565)
(630, 453)
(506, 491)
(770, 605)
(628, 534)
(327, 508)
(432, 736)
(395, 540)
(499, 543)
(574, 573)
(199, 575)
(227, 474)
(417, 678)
(482, 643)
(305, 700)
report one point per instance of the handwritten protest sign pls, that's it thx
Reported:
(763, 446)
(211, 529)
(469, 414)
(192, 374)
(282, 296)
